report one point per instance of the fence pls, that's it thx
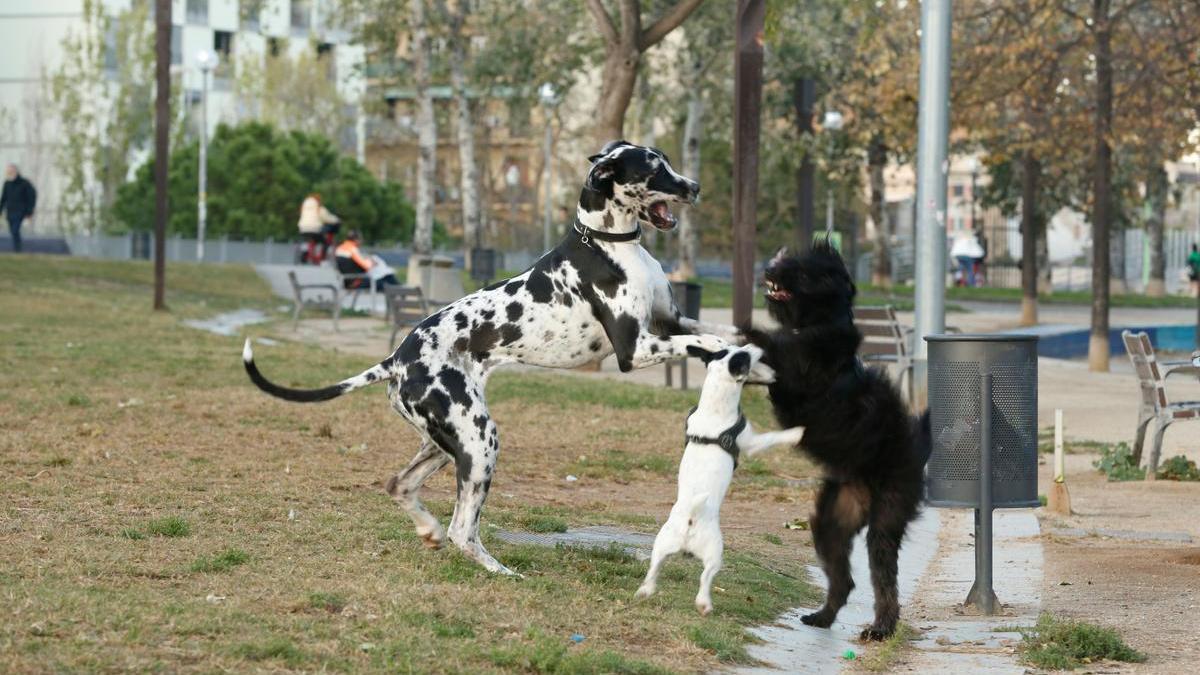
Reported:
(1003, 268)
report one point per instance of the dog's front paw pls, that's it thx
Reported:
(644, 591)
(794, 435)
(703, 606)
(433, 538)
(820, 619)
(710, 343)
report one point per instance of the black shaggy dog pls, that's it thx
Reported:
(856, 426)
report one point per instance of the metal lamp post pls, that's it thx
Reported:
(832, 122)
(549, 98)
(207, 61)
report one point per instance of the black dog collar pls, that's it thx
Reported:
(586, 234)
(727, 440)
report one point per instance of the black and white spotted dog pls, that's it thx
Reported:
(597, 292)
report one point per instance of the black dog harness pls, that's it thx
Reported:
(587, 234)
(727, 440)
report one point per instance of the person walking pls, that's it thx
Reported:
(1193, 263)
(17, 200)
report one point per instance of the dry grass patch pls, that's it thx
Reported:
(182, 521)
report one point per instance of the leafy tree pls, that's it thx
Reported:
(290, 93)
(257, 178)
(101, 124)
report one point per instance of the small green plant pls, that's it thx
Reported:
(327, 602)
(78, 401)
(773, 539)
(221, 562)
(279, 648)
(726, 645)
(1179, 468)
(170, 526)
(58, 461)
(890, 650)
(1116, 462)
(544, 523)
(1061, 644)
(1043, 500)
(132, 533)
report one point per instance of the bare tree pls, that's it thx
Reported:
(624, 43)
(472, 208)
(427, 131)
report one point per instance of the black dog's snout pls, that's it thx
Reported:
(693, 190)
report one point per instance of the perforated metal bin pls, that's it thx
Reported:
(958, 367)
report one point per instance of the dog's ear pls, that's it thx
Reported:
(778, 257)
(739, 365)
(703, 354)
(600, 176)
(608, 147)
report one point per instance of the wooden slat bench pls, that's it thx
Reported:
(885, 340)
(1155, 406)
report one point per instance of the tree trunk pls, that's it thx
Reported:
(469, 169)
(1098, 344)
(426, 132)
(803, 98)
(1031, 172)
(162, 144)
(1116, 253)
(881, 267)
(693, 131)
(1045, 282)
(616, 91)
(1156, 197)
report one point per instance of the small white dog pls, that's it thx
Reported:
(717, 435)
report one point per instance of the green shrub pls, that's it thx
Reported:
(171, 526)
(221, 562)
(1179, 468)
(1060, 644)
(1116, 462)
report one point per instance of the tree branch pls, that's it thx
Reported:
(668, 22)
(604, 21)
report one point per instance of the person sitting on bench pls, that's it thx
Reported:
(350, 260)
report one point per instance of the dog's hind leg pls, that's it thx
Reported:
(475, 462)
(841, 513)
(711, 552)
(668, 542)
(405, 486)
(889, 519)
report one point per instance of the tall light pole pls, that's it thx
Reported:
(549, 98)
(832, 122)
(207, 61)
(932, 140)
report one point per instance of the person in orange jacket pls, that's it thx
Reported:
(351, 260)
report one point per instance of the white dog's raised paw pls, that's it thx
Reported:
(644, 592)
(704, 607)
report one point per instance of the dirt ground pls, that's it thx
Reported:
(1148, 590)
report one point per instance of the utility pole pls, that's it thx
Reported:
(932, 141)
(747, 96)
(162, 131)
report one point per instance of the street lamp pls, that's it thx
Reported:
(550, 99)
(207, 60)
(833, 122)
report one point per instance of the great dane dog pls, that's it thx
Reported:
(597, 292)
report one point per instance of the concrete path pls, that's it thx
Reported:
(937, 568)
(793, 647)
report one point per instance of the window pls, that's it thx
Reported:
(274, 46)
(176, 45)
(518, 118)
(301, 15)
(957, 190)
(197, 11)
(223, 44)
(251, 11)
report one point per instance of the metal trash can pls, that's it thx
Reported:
(483, 264)
(687, 299)
(957, 366)
(983, 418)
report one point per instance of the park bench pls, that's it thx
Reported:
(1155, 406)
(885, 340)
(406, 306)
(316, 296)
(350, 278)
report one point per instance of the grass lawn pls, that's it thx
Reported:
(159, 513)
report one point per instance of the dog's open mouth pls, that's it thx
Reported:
(661, 216)
(776, 292)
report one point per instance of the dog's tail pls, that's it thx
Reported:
(374, 374)
(924, 434)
